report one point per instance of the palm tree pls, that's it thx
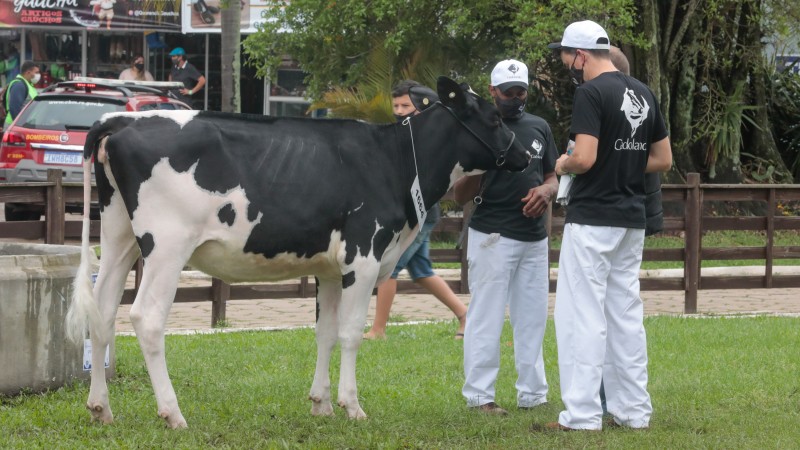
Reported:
(370, 99)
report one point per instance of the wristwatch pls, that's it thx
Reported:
(190, 92)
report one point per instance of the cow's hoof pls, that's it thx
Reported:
(100, 414)
(322, 409)
(353, 412)
(174, 420)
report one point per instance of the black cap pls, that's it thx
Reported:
(422, 97)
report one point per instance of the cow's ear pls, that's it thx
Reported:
(450, 93)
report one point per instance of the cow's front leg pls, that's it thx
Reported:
(329, 296)
(352, 316)
(149, 317)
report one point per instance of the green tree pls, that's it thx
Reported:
(704, 59)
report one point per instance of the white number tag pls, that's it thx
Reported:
(419, 203)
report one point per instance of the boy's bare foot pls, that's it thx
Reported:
(373, 336)
(462, 320)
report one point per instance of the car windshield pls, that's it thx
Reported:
(63, 114)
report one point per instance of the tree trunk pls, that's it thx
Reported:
(683, 90)
(231, 55)
(758, 139)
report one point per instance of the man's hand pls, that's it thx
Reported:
(537, 200)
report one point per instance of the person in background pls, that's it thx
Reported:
(136, 71)
(58, 71)
(507, 253)
(619, 135)
(409, 98)
(11, 64)
(21, 90)
(183, 71)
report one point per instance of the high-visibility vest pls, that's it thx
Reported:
(32, 93)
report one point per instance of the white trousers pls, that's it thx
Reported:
(505, 272)
(599, 329)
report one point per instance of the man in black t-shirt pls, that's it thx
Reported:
(186, 73)
(619, 135)
(507, 253)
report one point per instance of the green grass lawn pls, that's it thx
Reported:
(715, 383)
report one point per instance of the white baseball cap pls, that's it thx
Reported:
(509, 73)
(585, 35)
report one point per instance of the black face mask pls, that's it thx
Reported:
(575, 75)
(139, 66)
(510, 108)
(400, 118)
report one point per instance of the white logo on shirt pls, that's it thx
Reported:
(635, 109)
(537, 147)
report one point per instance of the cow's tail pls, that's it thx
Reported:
(83, 310)
(83, 305)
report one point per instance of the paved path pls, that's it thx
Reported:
(292, 313)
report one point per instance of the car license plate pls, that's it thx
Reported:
(67, 158)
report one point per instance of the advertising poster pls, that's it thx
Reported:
(160, 15)
(203, 16)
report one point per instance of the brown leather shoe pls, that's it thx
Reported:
(490, 408)
(555, 426)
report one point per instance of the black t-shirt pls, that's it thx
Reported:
(188, 75)
(501, 210)
(623, 114)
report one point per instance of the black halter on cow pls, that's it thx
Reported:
(252, 198)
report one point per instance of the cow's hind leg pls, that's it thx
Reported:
(149, 317)
(329, 295)
(352, 316)
(118, 253)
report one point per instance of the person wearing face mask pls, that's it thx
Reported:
(136, 71)
(21, 90)
(183, 71)
(507, 253)
(409, 98)
(619, 136)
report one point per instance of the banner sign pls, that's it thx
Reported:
(203, 16)
(160, 15)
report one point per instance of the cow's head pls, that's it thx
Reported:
(494, 142)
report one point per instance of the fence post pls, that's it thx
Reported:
(54, 209)
(692, 229)
(220, 294)
(772, 208)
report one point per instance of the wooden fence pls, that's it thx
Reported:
(692, 219)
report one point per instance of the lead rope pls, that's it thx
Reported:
(477, 200)
(417, 199)
(407, 121)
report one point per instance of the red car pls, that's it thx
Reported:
(51, 130)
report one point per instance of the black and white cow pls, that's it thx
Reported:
(252, 198)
